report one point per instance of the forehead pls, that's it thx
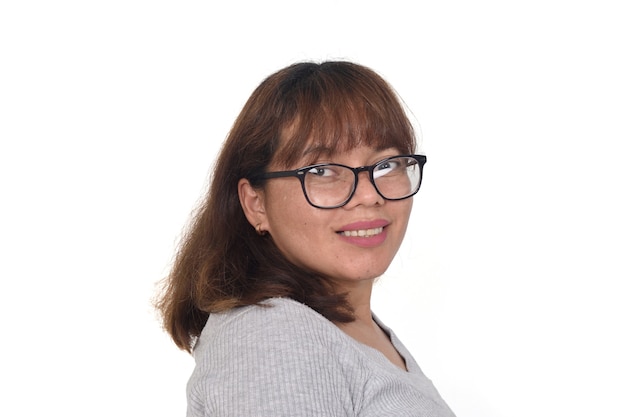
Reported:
(308, 139)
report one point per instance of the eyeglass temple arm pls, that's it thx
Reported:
(277, 174)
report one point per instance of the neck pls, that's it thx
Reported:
(359, 297)
(364, 329)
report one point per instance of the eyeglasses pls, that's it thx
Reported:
(328, 186)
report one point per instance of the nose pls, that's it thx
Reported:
(365, 193)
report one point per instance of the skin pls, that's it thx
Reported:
(309, 236)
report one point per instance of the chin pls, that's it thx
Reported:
(368, 274)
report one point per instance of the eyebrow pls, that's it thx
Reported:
(317, 150)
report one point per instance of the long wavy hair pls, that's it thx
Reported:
(222, 263)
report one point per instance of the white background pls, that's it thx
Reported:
(509, 289)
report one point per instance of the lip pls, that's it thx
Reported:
(363, 241)
(365, 224)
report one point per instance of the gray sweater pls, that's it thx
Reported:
(288, 360)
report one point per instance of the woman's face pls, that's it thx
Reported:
(324, 240)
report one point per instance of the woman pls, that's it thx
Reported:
(309, 202)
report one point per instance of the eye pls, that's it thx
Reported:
(387, 167)
(324, 171)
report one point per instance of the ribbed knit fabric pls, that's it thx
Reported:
(288, 360)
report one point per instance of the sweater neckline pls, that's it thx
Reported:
(366, 349)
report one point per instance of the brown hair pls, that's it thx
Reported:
(222, 262)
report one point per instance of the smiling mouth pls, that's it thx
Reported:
(362, 233)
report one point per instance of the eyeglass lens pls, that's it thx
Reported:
(332, 185)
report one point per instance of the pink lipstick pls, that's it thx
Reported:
(365, 233)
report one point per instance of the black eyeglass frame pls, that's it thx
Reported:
(300, 173)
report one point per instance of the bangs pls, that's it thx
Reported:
(338, 108)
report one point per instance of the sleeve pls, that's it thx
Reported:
(270, 362)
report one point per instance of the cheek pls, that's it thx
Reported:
(297, 237)
(408, 208)
(288, 213)
(402, 216)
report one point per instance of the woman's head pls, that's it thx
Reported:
(296, 115)
(332, 106)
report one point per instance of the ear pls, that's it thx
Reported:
(253, 204)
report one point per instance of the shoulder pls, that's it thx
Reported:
(280, 355)
(274, 321)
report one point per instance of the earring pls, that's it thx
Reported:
(260, 231)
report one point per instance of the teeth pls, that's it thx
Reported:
(362, 233)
